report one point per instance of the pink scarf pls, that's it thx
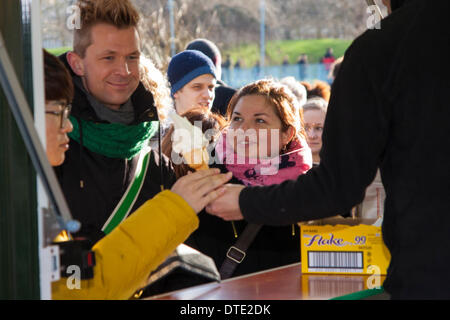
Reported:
(295, 161)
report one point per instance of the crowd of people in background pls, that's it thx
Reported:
(119, 105)
(88, 164)
(327, 61)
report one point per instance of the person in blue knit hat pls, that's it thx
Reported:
(192, 77)
(223, 92)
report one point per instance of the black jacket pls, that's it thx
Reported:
(106, 179)
(389, 108)
(397, 4)
(223, 95)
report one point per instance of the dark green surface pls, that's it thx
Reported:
(19, 259)
(360, 295)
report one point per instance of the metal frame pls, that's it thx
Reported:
(21, 111)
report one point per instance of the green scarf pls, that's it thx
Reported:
(113, 140)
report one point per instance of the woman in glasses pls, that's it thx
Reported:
(58, 95)
(126, 256)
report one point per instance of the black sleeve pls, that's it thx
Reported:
(355, 133)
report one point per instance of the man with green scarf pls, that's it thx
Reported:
(108, 172)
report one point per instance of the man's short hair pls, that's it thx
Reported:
(119, 13)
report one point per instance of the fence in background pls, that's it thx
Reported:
(238, 77)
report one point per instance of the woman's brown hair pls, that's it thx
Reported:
(318, 89)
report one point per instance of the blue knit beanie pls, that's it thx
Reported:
(186, 66)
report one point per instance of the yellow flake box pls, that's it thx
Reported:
(343, 249)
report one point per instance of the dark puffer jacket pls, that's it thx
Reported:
(106, 179)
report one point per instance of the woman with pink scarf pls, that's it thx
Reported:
(263, 145)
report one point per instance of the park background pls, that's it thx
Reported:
(243, 30)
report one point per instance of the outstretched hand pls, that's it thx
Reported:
(201, 187)
(227, 205)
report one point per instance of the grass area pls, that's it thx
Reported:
(277, 50)
(59, 51)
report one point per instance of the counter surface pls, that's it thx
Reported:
(283, 283)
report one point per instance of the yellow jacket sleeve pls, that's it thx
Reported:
(126, 256)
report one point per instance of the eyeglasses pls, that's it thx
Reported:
(63, 114)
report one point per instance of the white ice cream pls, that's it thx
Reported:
(186, 136)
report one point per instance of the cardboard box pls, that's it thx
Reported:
(343, 246)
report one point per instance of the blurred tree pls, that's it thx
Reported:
(228, 23)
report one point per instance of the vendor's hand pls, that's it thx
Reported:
(227, 205)
(201, 187)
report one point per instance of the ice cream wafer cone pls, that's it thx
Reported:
(197, 159)
(202, 166)
(192, 145)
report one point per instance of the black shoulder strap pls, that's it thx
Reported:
(236, 253)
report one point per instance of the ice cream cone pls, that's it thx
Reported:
(192, 145)
(202, 166)
(197, 159)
